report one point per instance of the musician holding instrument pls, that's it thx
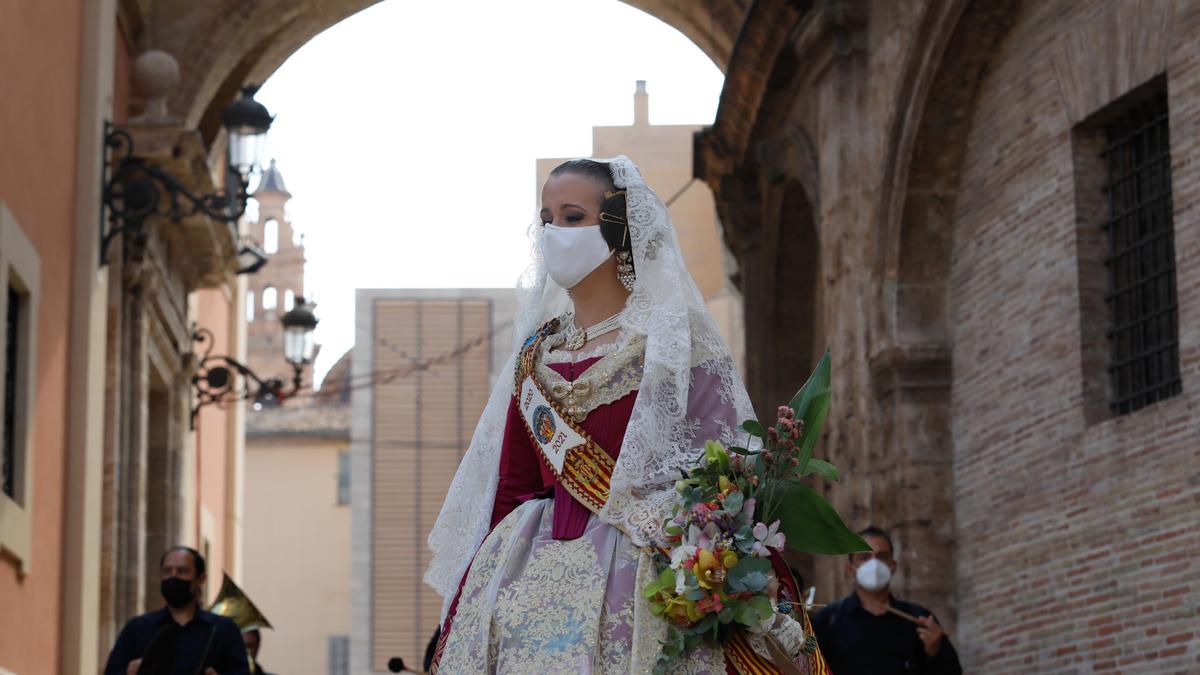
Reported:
(869, 632)
(182, 638)
(253, 638)
(233, 603)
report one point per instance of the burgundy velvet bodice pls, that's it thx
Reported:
(523, 475)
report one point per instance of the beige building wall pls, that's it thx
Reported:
(297, 548)
(664, 154)
(432, 357)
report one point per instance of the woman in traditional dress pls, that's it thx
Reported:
(542, 545)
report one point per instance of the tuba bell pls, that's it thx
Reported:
(232, 602)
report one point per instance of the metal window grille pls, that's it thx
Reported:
(11, 349)
(339, 654)
(1143, 330)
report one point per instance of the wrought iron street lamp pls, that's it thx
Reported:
(251, 258)
(216, 377)
(135, 189)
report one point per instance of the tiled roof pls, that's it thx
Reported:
(300, 418)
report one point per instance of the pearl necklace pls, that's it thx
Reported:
(576, 337)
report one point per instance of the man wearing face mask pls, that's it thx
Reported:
(182, 638)
(859, 636)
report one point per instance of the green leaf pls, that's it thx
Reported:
(812, 525)
(823, 469)
(738, 450)
(753, 428)
(665, 580)
(750, 574)
(732, 504)
(811, 404)
(753, 610)
(715, 453)
(762, 607)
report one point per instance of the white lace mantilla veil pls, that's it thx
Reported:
(690, 392)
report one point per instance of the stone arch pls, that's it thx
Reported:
(797, 292)
(935, 108)
(777, 243)
(911, 369)
(223, 44)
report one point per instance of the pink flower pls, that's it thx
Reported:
(767, 537)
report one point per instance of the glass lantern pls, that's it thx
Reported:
(298, 326)
(246, 122)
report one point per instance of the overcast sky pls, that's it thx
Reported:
(407, 134)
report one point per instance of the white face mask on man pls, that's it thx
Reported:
(572, 253)
(873, 575)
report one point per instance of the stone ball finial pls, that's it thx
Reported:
(156, 77)
(156, 74)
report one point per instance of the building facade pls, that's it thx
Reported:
(424, 363)
(985, 210)
(273, 290)
(297, 488)
(923, 187)
(102, 465)
(297, 530)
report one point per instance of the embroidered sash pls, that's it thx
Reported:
(582, 466)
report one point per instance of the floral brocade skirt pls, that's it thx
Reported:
(534, 604)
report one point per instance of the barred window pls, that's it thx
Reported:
(1143, 330)
(343, 478)
(12, 347)
(20, 293)
(339, 655)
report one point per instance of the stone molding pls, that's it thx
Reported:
(902, 368)
(1142, 37)
(768, 25)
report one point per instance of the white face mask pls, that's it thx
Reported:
(873, 575)
(572, 253)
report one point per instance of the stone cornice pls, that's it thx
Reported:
(910, 367)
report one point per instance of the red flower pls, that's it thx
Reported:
(710, 605)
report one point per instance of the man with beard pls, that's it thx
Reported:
(182, 638)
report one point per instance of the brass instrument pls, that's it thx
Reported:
(233, 603)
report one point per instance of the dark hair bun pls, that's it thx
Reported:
(614, 224)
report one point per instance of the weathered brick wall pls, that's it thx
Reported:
(1048, 535)
(1077, 537)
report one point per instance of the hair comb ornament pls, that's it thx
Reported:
(613, 208)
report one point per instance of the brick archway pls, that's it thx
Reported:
(223, 44)
(911, 369)
(921, 172)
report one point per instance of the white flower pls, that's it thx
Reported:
(682, 553)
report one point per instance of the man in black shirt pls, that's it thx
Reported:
(181, 638)
(859, 636)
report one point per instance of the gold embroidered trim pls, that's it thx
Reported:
(606, 381)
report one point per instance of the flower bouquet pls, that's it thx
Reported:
(735, 507)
